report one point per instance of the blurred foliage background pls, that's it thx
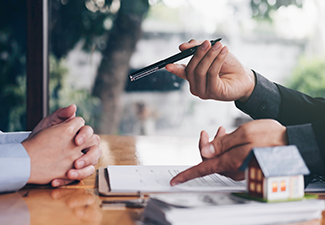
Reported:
(309, 76)
(112, 27)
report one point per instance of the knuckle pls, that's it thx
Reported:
(237, 164)
(201, 94)
(97, 139)
(100, 152)
(193, 91)
(82, 121)
(245, 131)
(208, 93)
(211, 72)
(91, 169)
(95, 162)
(69, 130)
(89, 129)
(199, 72)
(218, 146)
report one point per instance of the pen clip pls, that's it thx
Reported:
(143, 74)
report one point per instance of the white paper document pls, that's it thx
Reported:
(226, 209)
(157, 178)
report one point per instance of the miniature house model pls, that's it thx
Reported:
(275, 173)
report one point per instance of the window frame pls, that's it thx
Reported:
(37, 66)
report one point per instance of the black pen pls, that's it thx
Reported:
(161, 64)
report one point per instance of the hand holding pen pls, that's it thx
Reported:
(215, 73)
(161, 64)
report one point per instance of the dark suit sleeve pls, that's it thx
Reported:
(301, 114)
(298, 108)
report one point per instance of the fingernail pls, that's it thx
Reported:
(80, 164)
(174, 183)
(74, 175)
(209, 149)
(205, 45)
(56, 183)
(216, 46)
(224, 50)
(80, 140)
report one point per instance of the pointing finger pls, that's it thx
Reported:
(200, 170)
(190, 44)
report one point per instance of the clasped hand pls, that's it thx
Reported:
(62, 149)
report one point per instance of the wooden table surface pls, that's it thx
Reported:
(80, 203)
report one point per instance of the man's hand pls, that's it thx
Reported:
(215, 73)
(83, 165)
(226, 153)
(53, 152)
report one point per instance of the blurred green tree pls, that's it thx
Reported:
(112, 27)
(261, 9)
(309, 76)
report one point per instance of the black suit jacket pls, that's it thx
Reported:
(298, 108)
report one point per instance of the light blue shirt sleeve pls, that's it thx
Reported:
(14, 161)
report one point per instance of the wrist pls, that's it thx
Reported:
(251, 80)
(26, 145)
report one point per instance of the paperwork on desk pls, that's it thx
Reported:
(226, 209)
(152, 179)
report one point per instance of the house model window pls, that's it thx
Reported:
(275, 173)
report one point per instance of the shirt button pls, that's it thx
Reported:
(262, 107)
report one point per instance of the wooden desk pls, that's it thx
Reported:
(79, 203)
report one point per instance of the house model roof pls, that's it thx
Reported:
(278, 161)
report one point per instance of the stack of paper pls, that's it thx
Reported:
(226, 209)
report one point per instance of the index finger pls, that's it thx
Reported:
(228, 162)
(190, 44)
(204, 168)
(72, 126)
